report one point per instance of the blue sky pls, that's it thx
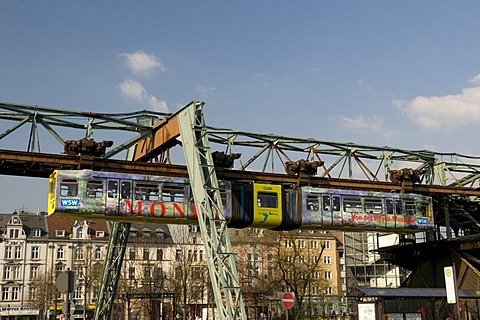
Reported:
(403, 74)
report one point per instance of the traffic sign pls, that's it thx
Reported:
(66, 281)
(288, 300)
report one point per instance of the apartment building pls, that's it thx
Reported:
(309, 262)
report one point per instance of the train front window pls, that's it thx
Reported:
(267, 199)
(173, 194)
(423, 209)
(146, 191)
(94, 188)
(69, 188)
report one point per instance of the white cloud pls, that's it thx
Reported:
(141, 63)
(449, 111)
(204, 91)
(364, 124)
(134, 90)
(475, 80)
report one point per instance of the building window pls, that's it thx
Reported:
(35, 253)
(131, 254)
(314, 244)
(301, 244)
(159, 254)
(16, 272)
(18, 252)
(146, 272)
(192, 229)
(328, 275)
(8, 252)
(79, 254)
(33, 293)
(36, 232)
(328, 290)
(5, 294)
(60, 253)
(98, 254)
(146, 254)
(79, 234)
(14, 233)
(77, 294)
(33, 272)
(60, 233)
(178, 254)
(15, 293)
(131, 273)
(327, 260)
(6, 272)
(100, 234)
(327, 244)
(59, 269)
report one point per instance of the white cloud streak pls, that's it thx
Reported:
(141, 63)
(134, 90)
(449, 111)
(365, 124)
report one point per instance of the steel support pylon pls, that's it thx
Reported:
(210, 210)
(112, 269)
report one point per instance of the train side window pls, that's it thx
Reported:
(173, 194)
(69, 188)
(389, 206)
(94, 188)
(147, 191)
(267, 199)
(336, 203)
(410, 207)
(352, 204)
(312, 203)
(112, 189)
(125, 191)
(373, 205)
(326, 203)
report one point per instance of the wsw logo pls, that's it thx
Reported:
(69, 202)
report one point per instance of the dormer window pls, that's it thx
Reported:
(14, 233)
(79, 233)
(60, 233)
(36, 232)
(100, 234)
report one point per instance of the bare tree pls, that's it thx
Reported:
(188, 272)
(43, 291)
(300, 263)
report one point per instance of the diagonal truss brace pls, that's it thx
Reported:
(213, 226)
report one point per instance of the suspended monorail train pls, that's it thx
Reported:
(87, 194)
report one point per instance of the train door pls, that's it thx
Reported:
(124, 196)
(374, 207)
(399, 221)
(113, 200)
(326, 210)
(390, 212)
